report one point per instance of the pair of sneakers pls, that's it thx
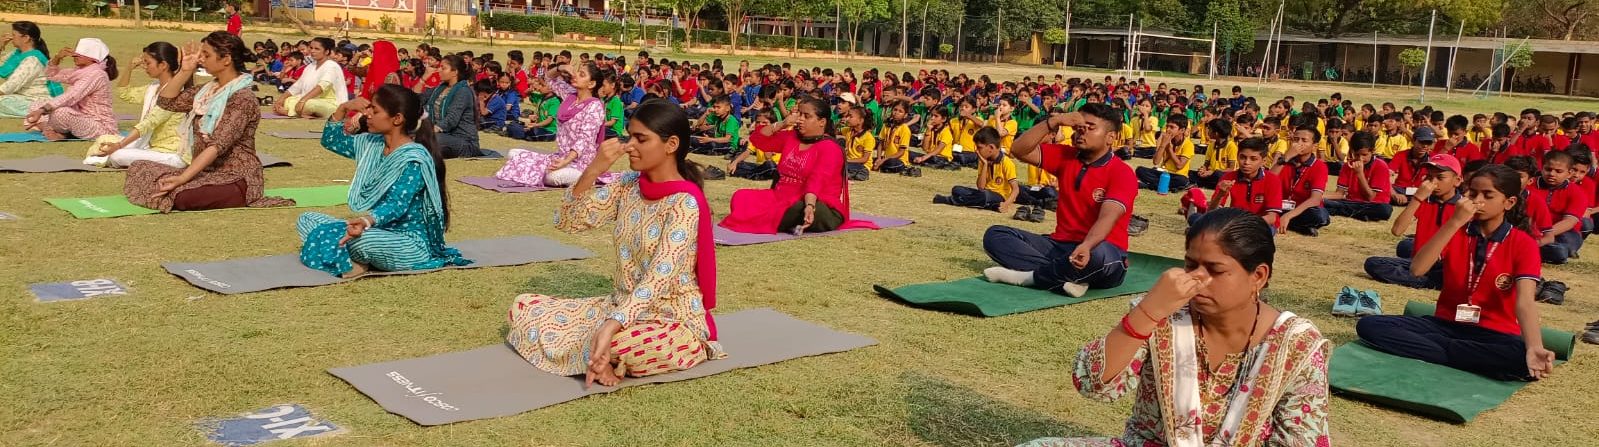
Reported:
(1590, 334)
(1351, 302)
(1552, 292)
(1029, 213)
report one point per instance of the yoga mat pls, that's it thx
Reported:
(247, 275)
(29, 137)
(1361, 372)
(978, 297)
(127, 117)
(58, 163)
(118, 206)
(497, 185)
(297, 134)
(733, 238)
(494, 381)
(488, 154)
(274, 116)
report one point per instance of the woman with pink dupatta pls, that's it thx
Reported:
(580, 127)
(657, 319)
(1207, 360)
(811, 194)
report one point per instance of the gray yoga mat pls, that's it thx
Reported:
(497, 185)
(297, 134)
(59, 163)
(495, 381)
(247, 275)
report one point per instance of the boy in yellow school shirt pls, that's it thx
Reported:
(1144, 126)
(1174, 153)
(997, 188)
(1392, 139)
(1221, 158)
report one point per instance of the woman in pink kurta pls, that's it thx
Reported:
(84, 109)
(580, 129)
(811, 194)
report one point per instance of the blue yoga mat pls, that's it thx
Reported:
(32, 137)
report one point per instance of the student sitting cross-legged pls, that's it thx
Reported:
(997, 188)
(894, 149)
(1088, 249)
(1568, 207)
(1364, 185)
(1434, 202)
(716, 132)
(1486, 320)
(1304, 177)
(1252, 187)
(764, 164)
(860, 145)
(1172, 155)
(1407, 165)
(938, 145)
(1220, 157)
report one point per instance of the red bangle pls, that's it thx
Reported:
(1127, 327)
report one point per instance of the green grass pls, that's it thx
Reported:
(141, 369)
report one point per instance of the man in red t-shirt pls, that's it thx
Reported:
(1365, 186)
(1088, 249)
(1434, 202)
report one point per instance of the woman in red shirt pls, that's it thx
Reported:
(811, 194)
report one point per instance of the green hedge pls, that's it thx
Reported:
(563, 25)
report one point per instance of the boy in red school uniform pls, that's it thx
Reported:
(1459, 142)
(1486, 320)
(1304, 177)
(1407, 165)
(1088, 249)
(1567, 204)
(1364, 184)
(1252, 187)
(1586, 179)
(1531, 140)
(1499, 149)
(1435, 202)
(1566, 136)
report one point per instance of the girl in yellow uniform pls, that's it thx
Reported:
(938, 145)
(894, 155)
(860, 145)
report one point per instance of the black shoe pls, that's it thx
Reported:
(1023, 213)
(912, 172)
(1552, 292)
(1037, 215)
(1137, 225)
(1048, 205)
(1591, 337)
(941, 199)
(715, 173)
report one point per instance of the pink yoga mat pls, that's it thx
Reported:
(729, 237)
(264, 115)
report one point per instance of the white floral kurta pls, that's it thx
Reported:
(656, 297)
(25, 86)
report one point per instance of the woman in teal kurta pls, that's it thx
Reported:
(398, 182)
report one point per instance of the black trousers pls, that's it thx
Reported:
(1050, 260)
(1361, 211)
(1149, 178)
(1207, 182)
(856, 171)
(1045, 197)
(1311, 219)
(1466, 347)
(825, 219)
(754, 171)
(892, 166)
(975, 198)
(966, 159)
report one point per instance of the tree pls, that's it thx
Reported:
(1411, 59)
(1234, 31)
(691, 11)
(1567, 15)
(794, 11)
(1517, 56)
(858, 12)
(735, 20)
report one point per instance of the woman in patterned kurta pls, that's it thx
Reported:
(398, 179)
(155, 137)
(220, 133)
(22, 78)
(580, 128)
(1197, 386)
(658, 318)
(84, 110)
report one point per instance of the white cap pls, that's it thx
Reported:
(92, 48)
(847, 97)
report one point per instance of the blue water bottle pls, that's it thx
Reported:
(1165, 183)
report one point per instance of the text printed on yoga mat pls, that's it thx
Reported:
(270, 424)
(416, 391)
(77, 290)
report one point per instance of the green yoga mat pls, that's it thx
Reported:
(978, 297)
(118, 206)
(1361, 372)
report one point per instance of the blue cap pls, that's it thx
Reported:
(1425, 134)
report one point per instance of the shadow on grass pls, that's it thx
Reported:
(974, 264)
(950, 415)
(568, 281)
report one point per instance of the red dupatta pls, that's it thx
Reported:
(385, 61)
(705, 250)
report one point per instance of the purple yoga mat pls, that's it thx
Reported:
(497, 185)
(729, 237)
(272, 116)
(264, 115)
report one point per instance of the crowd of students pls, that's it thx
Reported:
(1485, 200)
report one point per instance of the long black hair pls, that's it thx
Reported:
(228, 45)
(31, 30)
(668, 120)
(1243, 236)
(821, 108)
(1508, 182)
(166, 53)
(402, 101)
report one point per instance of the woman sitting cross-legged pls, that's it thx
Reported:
(811, 194)
(581, 119)
(1208, 360)
(657, 319)
(84, 109)
(155, 137)
(399, 182)
(22, 78)
(219, 126)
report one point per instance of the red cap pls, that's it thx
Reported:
(1445, 161)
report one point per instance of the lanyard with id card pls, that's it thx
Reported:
(1468, 312)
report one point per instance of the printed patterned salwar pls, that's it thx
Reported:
(84, 109)
(657, 297)
(24, 84)
(1284, 400)
(401, 192)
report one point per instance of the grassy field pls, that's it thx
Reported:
(141, 369)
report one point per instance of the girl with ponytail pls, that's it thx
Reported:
(1491, 271)
(398, 188)
(664, 244)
